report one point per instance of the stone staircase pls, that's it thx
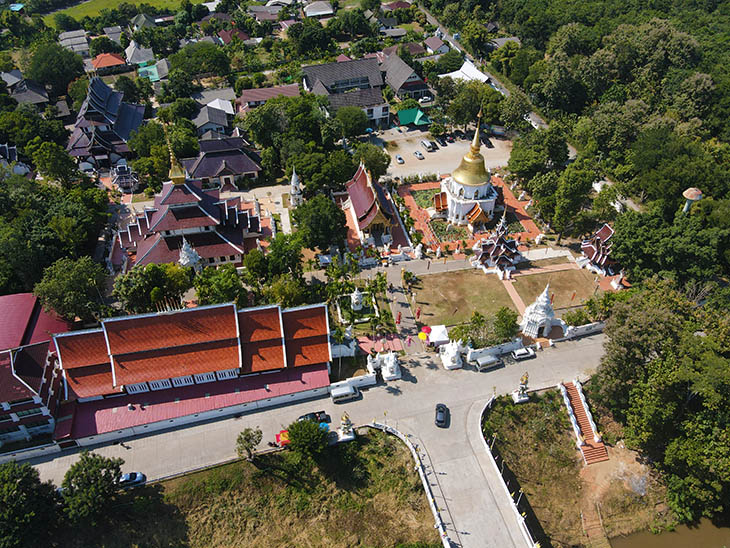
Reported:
(593, 451)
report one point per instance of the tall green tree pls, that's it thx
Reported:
(376, 160)
(73, 288)
(152, 287)
(53, 65)
(353, 121)
(54, 163)
(90, 488)
(307, 438)
(321, 222)
(218, 285)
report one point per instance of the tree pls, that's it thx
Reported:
(55, 66)
(376, 160)
(200, 58)
(64, 22)
(538, 152)
(285, 256)
(150, 288)
(257, 267)
(54, 163)
(506, 327)
(218, 285)
(28, 507)
(247, 441)
(321, 222)
(285, 291)
(72, 288)
(307, 438)
(77, 90)
(574, 188)
(513, 109)
(103, 44)
(436, 129)
(309, 38)
(353, 120)
(90, 487)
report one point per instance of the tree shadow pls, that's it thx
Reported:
(407, 376)
(343, 463)
(393, 390)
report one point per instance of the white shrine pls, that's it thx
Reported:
(356, 299)
(539, 318)
(387, 364)
(188, 256)
(296, 197)
(450, 354)
(467, 197)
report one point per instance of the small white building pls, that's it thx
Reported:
(387, 364)
(467, 197)
(296, 197)
(539, 318)
(450, 354)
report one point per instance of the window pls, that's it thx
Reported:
(137, 388)
(204, 377)
(211, 260)
(182, 381)
(385, 110)
(37, 424)
(222, 259)
(8, 430)
(160, 385)
(370, 113)
(29, 412)
(232, 257)
(227, 374)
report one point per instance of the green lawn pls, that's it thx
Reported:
(363, 493)
(450, 298)
(94, 7)
(424, 198)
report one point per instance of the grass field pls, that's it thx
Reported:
(562, 284)
(424, 198)
(364, 493)
(451, 297)
(92, 8)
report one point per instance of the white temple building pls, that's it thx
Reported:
(467, 197)
(539, 318)
(497, 253)
(296, 197)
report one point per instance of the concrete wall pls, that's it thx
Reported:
(30, 453)
(574, 332)
(473, 354)
(361, 381)
(344, 350)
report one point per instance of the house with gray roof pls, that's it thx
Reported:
(207, 96)
(319, 9)
(210, 119)
(402, 79)
(343, 76)
(76, 41)
(137, 55)
(370, 100)
(141, 21)
(11, 78)
(221, 161)
(31, 93)
(114, 33)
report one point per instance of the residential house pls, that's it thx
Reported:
(222, 104)
(220, 230)
(137, 374)
(252, 98)
(416, 50)
(30, 93)
(492, 26)
(435, 45)
(9, 159)
(210, 119)
(221, 162)
(76, 41)
(137, 55)
(402, 79)
(124, 178)
(319, 9)
(370, 100)
(207, 96)
(395, 33)
(141, 21)
(114, 34)
(399, 5)
(109, 63)
(227, 36)
(281, 3)
(264, 13)
(12, 78)
(343, 77)
(29, 384)
(103, 126)
(496, 43)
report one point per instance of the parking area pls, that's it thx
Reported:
(443, 160)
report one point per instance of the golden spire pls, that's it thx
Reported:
(177, 173)
(472, 171)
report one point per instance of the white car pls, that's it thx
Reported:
(425, 99)
(523, 354)
(399, 159)
(418, 155)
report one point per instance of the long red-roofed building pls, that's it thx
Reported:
(185, 365)
(371, 211)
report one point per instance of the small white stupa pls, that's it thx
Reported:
(295, 192)
(539, 318)
(356, 299)
(188, 256)
(450, 354)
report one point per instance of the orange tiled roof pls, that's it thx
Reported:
(185, 327)
(105, 60)
(306, 335)
(85, 382)
(263, 356)
(440, 202)
(82, 349)
(259, 324)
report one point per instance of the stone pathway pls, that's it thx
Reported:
(388, 343)
(544, 269)
(516, 299)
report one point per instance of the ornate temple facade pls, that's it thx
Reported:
(539, 318)
(467, 197)
(497, 253)
(370, 206)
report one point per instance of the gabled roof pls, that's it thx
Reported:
(433, 43)
(227, 36)
(142, 20)
(114, 33)
(23, 321)
(136, 54)
(104, 60)
(30, 92)
(82, 348)
(413, 116)
(210, 115)
(261, 338)
(207, 95)
(225, 156)
(397, 71)
(306, 335)
(362, 98)
(412, 47)
(318, 8)
(329, 73)
(264, 94)
(11, 388)
(12, 77)
(29, 364)
(367, 198)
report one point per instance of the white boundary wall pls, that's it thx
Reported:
(473, 354)
(369, 379)
(30, 453)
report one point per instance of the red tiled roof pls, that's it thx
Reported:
(259, 324)
(108, 415)
(11, 388)
(86, 382)
(605, 233)
(227, 36)
(183, 327)
(15, 313)
(307, 351)
(177, 361)
(176, 218)
(178, 194)
(166, 249)
(82, 349)
(361, 195)
(29, 363)
(307, 339)
(104, 60)
(263, 356)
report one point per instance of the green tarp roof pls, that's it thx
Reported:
(413, 116)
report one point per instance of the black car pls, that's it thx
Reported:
(441, 141)
(442, 415)
(319, 416)
(487, 142)
(434, 146)
(450, 138)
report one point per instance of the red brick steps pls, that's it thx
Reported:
(593, 451)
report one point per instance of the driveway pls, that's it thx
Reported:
(474, 503)
(443, 160)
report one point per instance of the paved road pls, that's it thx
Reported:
(475, 505)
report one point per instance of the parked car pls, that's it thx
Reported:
(418, 154)
(441, 141)
(317, 416)
(425, 99)
(450, 138)
(442, 415)
(487, 142)
(434, 146)
(427, 146)
(523, 354)
(459, 134)
(399, 159)
(132, 480)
